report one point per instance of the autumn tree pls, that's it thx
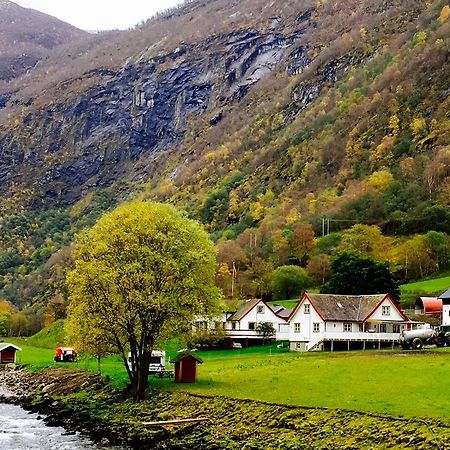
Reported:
(141, 275)
(319, 268)
(366, 240)
(303, 240)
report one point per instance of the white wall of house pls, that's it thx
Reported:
(446, 314)
(386, 311)
(304, 326)
(262, 313)
(336, 327)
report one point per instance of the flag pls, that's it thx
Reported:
(235, 274)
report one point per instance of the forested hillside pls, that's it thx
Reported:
(293, 133)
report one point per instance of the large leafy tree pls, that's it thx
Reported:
(140, 276)
(289, 282)
(356, 275)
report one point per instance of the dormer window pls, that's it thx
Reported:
(307, 308)
(260, 309)
(386, 310)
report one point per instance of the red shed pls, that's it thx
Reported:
(8, 353)
(186, 367)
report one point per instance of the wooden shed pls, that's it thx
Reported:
(8, 353)
(186, 367)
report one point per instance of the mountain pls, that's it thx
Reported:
(249, 115)
(26, 36)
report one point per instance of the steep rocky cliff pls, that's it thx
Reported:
(111, 123)
(141, 110)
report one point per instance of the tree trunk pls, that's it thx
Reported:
(141, 378)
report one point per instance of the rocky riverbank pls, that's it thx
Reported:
(80, 401)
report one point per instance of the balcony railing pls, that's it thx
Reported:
(254, 334)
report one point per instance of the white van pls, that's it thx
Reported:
(157, 361)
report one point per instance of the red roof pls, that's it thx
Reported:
(430, 305)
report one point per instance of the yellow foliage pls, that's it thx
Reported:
(394, 124)
(363, 32)
(384, 150)
(353, 149)
(311, 202)
(5, 307)
(224, 271)
(418, 127)
(420, 38)
(381, 180)
(292, 217)
(445, 14)
(257, 211)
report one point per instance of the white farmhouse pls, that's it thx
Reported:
(328, 322)
(445, 297)
(242, 325)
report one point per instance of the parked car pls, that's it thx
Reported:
(65, 354)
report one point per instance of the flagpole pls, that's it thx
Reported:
(233, 278)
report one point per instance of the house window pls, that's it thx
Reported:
(297, 328)
(382, 328)
(224, 325)
(316, 327)
(386, 310)
(307, 308)
(260, 309)
(361, 327)
(298, 345)
(396, 328)
(233, 325)
(347, 327)
(252, 326)
(202, 325)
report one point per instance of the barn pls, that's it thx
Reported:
(8, 353)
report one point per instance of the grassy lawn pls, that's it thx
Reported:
(434, 286)
(396, 383)
(391, 382)
(288, 304)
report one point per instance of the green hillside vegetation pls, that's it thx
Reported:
(50, 337)
(432, 287)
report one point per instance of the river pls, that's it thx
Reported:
(21, 430)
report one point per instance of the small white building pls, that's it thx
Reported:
(243, 324)
(326, 321)
(445, 297)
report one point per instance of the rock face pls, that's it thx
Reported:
(114, 121)
(141, 110)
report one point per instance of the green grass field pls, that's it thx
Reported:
(391, 382)
(433, 286)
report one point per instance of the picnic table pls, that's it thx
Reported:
(165, 373)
